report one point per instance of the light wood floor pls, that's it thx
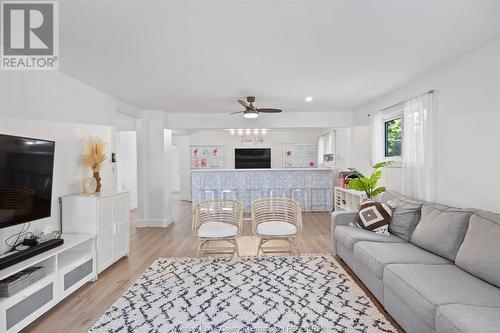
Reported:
(79, 311)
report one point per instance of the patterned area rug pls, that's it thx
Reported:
(307, 293)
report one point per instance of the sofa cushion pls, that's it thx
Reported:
(480, 249)
(376, 256)
(441, 230)
(425, 287)
(405, 214)
(462, 318)
(349, 235)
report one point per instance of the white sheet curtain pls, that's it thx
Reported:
(326, 144)
(377, 134)
(417, 150)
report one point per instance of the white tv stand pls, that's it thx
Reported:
(68, 267)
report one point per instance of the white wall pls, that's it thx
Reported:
(54, 106)
(68, 170)
(274, 139)
(154, 160)
(126, 154)
(467, 110)
(183, 153)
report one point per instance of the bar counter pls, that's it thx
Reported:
(312, 187)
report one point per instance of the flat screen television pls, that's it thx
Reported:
(252, 158)
(26, 173)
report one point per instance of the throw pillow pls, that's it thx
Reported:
(405, 214)
(374, 216)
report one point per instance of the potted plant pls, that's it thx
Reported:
(369, 184)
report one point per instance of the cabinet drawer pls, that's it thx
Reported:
(75, 276)
(22, 309)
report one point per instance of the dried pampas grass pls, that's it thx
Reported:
(94, 154)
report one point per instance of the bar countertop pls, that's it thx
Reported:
(267, 170)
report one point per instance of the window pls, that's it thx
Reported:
(392, 137)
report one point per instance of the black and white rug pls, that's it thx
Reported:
(307, 293)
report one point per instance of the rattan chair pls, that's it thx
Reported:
(276, 219)
(218, 220)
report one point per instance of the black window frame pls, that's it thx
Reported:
(386, 125)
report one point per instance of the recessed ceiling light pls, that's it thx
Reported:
(309, 99)
(240, 132)
(232, 131)
(264, 131)
(256, 131)
(247, 131)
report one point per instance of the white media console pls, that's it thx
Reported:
(68, 267)
(96, 234)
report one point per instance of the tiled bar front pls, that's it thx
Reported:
(313, 187)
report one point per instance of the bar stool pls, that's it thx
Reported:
(233, 194)
(208, 194)
(252, 194)
(300, 195)
(324, 194)
(276, 193)
(229, 195)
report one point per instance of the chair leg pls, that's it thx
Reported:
(236, 248)
(259, 247)
(200, 248)
(291, 241)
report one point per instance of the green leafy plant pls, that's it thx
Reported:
(369, 184)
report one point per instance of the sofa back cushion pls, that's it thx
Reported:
(480, 250)
(405, 214)
(441, 229)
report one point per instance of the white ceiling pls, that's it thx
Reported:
(200, 56)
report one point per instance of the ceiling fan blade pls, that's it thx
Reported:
(244, 104)
(269, 110)
(237, 112)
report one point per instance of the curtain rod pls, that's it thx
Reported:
(427, 92)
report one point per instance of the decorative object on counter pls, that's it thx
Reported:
(343, 177)
(89, 185)
(94, 157)
(368, 184)
(46, 236)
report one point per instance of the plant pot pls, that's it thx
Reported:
(98, 179)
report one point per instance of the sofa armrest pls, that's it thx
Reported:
(338, 219)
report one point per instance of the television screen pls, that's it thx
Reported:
(252, 158)
(26, 172)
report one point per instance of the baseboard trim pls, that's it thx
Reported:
(155, 223)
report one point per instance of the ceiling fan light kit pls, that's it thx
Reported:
(251, 112)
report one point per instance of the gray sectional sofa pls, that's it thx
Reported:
(438, 271)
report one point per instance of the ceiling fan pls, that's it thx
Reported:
(251, 111)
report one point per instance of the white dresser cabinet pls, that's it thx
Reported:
(107, 216)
